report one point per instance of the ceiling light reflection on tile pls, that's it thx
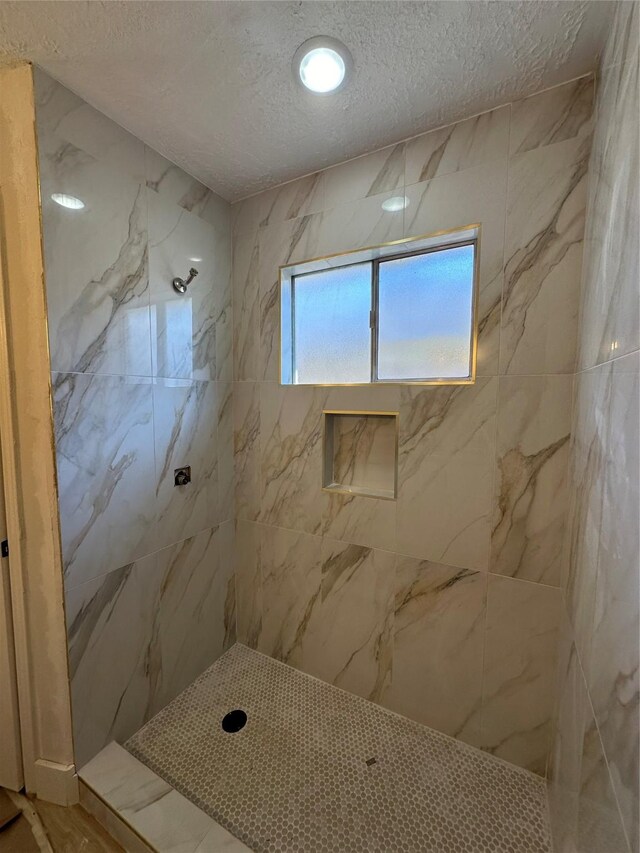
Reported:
(395, 203)
(68, 201)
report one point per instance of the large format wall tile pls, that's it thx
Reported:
(601, 575)
(246, 310)
(610, 315)
(519, 670)
(246, 446)
(104, 446)
(248, 583)
(379, 172)
(183, 330)
(451, 202)
(290, 578)
(140, 634)
(171, 182)
(438, 646)
(224, 451)
(583, 809)
(451, 178)
(563, 112)
(534, 421)
(114, 655)
(543, 258)
(612, 674)
(446, 446)
(587, 461)
(186, 416)
(196, 617)
(68, 126)
(348, 641)
(97, 290)
(360, 520)
(291, 456)
(140, 627)
(469, 143)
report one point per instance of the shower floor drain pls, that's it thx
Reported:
(234, 721)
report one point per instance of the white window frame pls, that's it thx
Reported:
(412, 247)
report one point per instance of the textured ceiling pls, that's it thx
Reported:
(209, 84)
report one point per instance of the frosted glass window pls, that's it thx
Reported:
(425, 315)
(331, 330)
(384, 316)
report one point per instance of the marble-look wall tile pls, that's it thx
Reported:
(563, 112)
(97, 290)
(379, 172)
(602, 545)
(114, 654)
(185, 418)
(610, 322)
(349, 632)
(290, 580)
(140, 634)
(583, 809)
(360, 520)
(445, 473)
(106, 479)
(68, 127)
(246, 444)
(291, 456)
(543, 258)
(287, 201)
(438, 646)
(196, 617)
(183, 332)
(565, 759)
(622, 43)
(246, 309)
(248, 583)
(534, 422)
(451, 202)
(225, 452)
(587, 460)
(612, 674)
(600, 829)
(453, 177)
(142, 385)
(519, 670)
(171, 182)
(469, 143)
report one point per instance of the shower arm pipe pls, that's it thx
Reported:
(180, 285)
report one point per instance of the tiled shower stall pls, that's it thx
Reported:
(495, 598)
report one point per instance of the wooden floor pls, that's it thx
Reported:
(33, 826)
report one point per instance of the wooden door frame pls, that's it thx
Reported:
(28, 457)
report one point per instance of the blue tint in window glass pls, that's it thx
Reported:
(425, 315)
(331, 334)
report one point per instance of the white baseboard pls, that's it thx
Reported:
(56, 783)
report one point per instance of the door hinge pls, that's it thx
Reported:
(4, 548)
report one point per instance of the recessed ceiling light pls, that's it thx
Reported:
(69, 201)
(322, 65)
(195, 260)
(395, 203)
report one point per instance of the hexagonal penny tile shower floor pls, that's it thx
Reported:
(316, 769)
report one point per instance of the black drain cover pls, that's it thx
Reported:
(234, 721)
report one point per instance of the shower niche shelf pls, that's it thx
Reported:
(360, 453)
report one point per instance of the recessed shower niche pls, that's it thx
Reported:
(361, 453)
